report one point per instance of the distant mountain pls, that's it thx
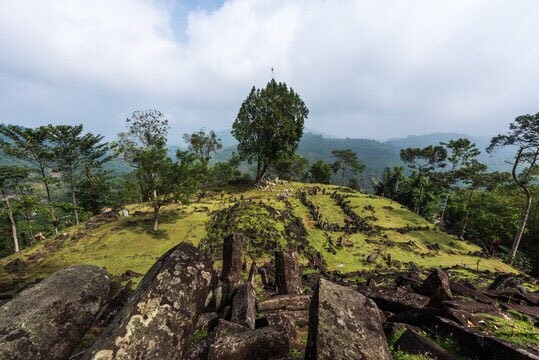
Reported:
(377, 155)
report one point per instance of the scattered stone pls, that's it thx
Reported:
(129, 274)
(207, 321)
(469, 306)
(200, 350)
(504, 281)
(114, 306)
(225, 328)
(343, 324)
(252, 273)
(372, 257)
(467, 290)
(244, 306)
(532, 311)
(287, 275)
(298, 317)
(48, 320)
(394, 300)
(158, 321)
(232, 263)
(285, 302)
(436, 287)
(412, 342)
(270, 342)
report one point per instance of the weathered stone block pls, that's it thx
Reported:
(48, 320)
(287, 273)
(158, 321)
(344, 324)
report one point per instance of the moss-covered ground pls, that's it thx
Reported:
(130, 243)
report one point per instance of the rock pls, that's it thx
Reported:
(372, 257)
(200, 350)
(298, 317)
(252, 273)
(158, 321)
(468, 291)
(244, 306)
(290, 302)
(344, 324)
(48, 320)
(436, 287)
(393, 300)
(207, 321)
(264, 276)
(232, 263)
(469, 306)
(532, 311)
(287, 275)
(471, 342)
(504, 281)
(412, 342)
(129, 274)
(265, 343)
(415, 317)
(114, 306)
(225, 328)
(411, 278)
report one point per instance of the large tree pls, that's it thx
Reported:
(269, 125)
(203, 144)
(425, 161)
(346, 164)
(33, 146)
(161, 180)
(461, 157)
(320, 172)
(524, 135)
(10, 177)
(77, 154)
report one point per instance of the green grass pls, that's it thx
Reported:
(130, 243)
(519, 329)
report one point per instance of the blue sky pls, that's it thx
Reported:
(375, 69)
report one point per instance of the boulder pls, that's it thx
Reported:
(225, 328)
(412, 342)
(464, 289)
(270, 342)
(394, 300)
(344, 324)
(207, 321)
(232, 263)
(48, 320)
(285, 302)
(244, 306)
(200, 350)
(158, 321)
(287, 274)
(469, 306)
(436, 287)
(504, 281)
(297, 317)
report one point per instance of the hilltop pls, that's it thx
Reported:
(396, 234)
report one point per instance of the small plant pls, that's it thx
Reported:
(295, 354)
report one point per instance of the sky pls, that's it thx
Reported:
(365, 68)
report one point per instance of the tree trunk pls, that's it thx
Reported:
(444, 208)
(75, 205)
(73, 197)
(53, 215)
(13, 224)
(155, 217)
(420, 197)
(467, 216)
(522, 225)
(526, 211)
(343, 175)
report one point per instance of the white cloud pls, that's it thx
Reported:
(374, 68)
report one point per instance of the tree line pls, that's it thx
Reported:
(63, 175)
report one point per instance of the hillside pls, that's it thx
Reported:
(397, 235)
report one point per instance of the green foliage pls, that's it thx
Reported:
(225, 171)
(320, 172)
(346, 164)
(518, 330)
(203, 144)
(269, 125)
(292, 168)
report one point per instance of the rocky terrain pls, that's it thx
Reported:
(284, 272)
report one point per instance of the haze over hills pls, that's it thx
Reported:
(375, 154)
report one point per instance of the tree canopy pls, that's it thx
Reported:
(269, 125)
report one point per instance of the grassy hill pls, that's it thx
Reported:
(270, 218)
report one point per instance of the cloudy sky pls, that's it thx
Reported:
(365, 68)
